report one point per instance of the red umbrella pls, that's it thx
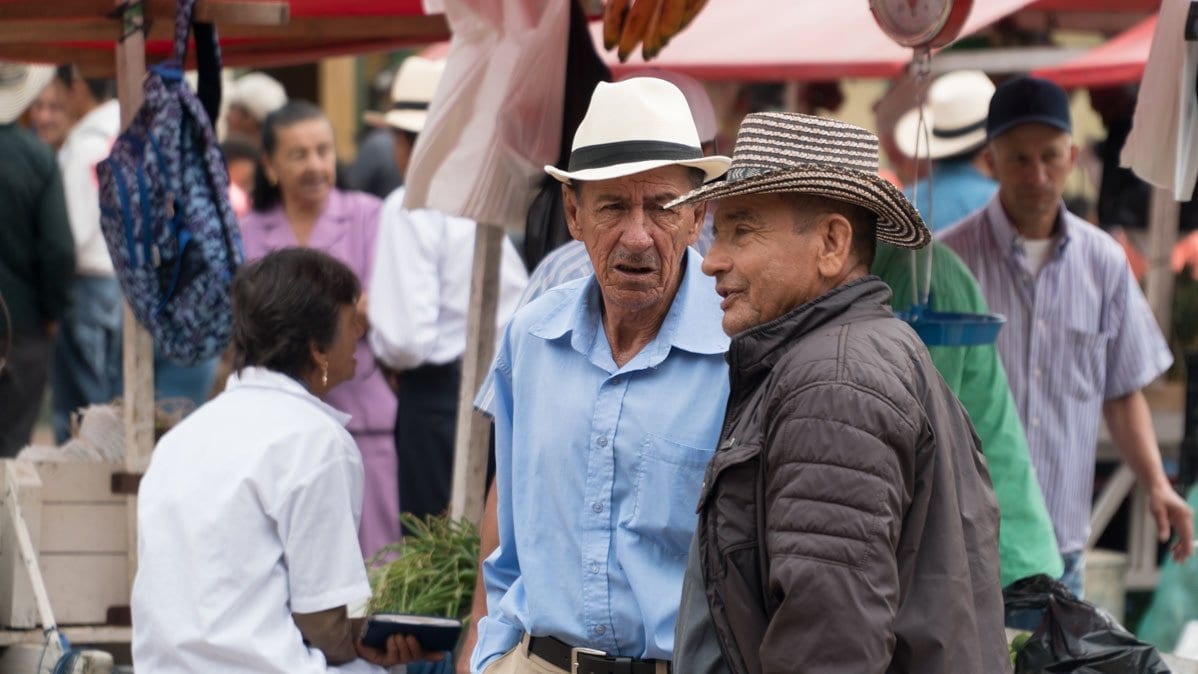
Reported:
(1118, 61)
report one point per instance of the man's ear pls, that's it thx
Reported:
(570, 206)
(988, 157)
(837, 239)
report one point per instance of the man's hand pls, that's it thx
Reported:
(1168, 508)
(400, 651)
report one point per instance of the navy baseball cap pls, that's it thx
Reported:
(1024, 100)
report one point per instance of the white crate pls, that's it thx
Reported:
(79, 529)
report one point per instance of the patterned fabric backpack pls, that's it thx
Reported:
(164, 206)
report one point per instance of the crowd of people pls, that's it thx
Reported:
(716, 448)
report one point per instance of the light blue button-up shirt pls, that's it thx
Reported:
(956, 190)
(599, 469)
(1078, 333)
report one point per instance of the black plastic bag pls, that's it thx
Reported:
(1075, 636)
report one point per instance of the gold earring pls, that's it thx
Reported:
(324, 374)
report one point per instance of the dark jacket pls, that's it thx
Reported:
(37, 253)
(847, 522)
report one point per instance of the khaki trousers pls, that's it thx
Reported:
(520, 661)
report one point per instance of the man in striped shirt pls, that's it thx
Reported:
(1079, 338)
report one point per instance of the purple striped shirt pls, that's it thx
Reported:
(1077, 334)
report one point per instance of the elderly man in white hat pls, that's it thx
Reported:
(420, 291)
(955, 117)
(37, 257)
(846, 522)
(607, 397)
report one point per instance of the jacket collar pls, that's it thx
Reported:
(692, 323)
(263, 378)
(754, 352)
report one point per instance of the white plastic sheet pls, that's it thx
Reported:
(495, 120)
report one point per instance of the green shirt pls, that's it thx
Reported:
(1026, 543)
(37, 254)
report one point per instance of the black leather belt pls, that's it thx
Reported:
(587, 661)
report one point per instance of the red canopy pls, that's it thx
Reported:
(59, 31)
(1119, 61)
(771, 40)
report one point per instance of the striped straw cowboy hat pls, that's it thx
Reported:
(791, 152)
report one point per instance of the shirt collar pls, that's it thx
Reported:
(1008, 238)
(263, 378)
(336, 212)
(692, 324)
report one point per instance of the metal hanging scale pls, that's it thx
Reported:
(924, 25)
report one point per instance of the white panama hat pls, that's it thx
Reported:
(411, 93)
(634, 126)
(20, 83)
(958, 103)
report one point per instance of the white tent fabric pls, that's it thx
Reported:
(1160, 148)
(496, 118)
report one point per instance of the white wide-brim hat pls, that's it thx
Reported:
(633, 126)
(805, 154)
(259, 93)
(411, 93)
(20, 83)
(955, 114)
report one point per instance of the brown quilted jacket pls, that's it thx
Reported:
(847, 523)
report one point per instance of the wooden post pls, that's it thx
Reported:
(473, 429)
(339, 100)
(1162, 236)
(138, 399)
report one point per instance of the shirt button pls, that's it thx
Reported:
(600, 629)
(1036, 421)
(1036, 372)
(594, 567)
(603, 442)
(1039, 323)
(597, 507)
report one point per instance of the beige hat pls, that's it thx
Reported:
(20, 83)
(258, 93)
(696, 97)
(791, 152)
(955, 114)
(411, 93)
(633, 126)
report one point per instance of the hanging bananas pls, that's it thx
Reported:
(649, 23)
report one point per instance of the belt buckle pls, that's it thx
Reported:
(576, 651)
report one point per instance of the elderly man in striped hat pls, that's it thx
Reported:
(847, 521)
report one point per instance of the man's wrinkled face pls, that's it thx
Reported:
(635, 244)
(763, 259)
(1031, 163)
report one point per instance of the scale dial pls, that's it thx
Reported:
(921, 23)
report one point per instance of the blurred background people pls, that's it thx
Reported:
(373, 170)
(249, 99)
(421, 289)
(296, 203)
(37, 257)
(955, 116)
(87, 355)
(48, 117)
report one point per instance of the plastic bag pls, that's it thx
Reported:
(1076, 636)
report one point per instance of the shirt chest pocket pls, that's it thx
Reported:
(1084, 360)
(669, 476)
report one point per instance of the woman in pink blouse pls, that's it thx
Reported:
(296, 203)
